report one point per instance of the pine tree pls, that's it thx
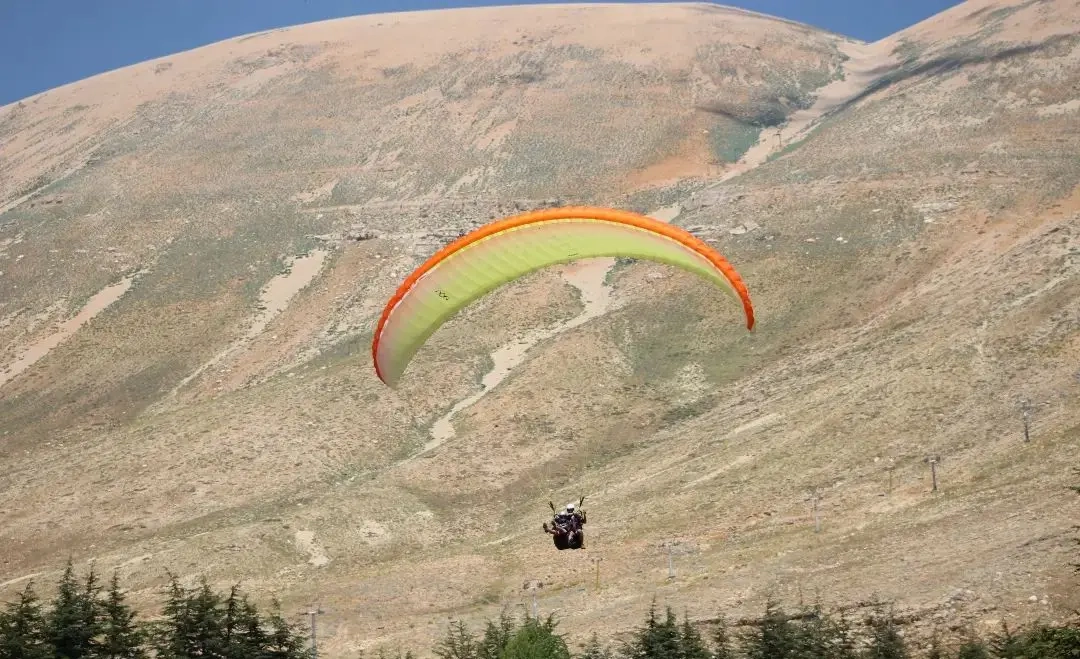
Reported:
(666, 643)
(72, 624)
(723, 647)
(121, 638)
(536, 640)
(248, 637)
(459, 643)
(202, 623)
(775, 638)
(207, 637)
(496, 636)
(243, 634)
(23, 632)
(193, 624)
(885, 639)
(230, 630)
(844, 646)
(691, 644)
(822, 637)
(171, 633)
(92, 612)
(593, 649)
(810, 639)
(656, 640)
(283, 642)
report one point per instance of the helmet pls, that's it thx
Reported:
(570, 507)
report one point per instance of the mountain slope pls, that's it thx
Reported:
(907, 230)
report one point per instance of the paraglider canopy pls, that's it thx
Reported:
(512, 247)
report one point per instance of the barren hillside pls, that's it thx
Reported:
(194, 250)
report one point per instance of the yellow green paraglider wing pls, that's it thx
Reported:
(507, 249)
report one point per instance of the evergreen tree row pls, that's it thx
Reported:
(88, 621)
(808, 634)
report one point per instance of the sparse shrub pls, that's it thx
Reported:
(973, 648)
(1046, 642)
(687, 411)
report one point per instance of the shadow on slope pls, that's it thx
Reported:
(948, 63)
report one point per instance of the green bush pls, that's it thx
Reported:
(536, 640)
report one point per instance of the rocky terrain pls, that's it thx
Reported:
(194, 250)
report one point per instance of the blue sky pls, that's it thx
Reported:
(47, 43)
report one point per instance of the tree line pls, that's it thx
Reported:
(90, 620)
(808, 633)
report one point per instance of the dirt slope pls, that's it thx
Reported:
(907, 225)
